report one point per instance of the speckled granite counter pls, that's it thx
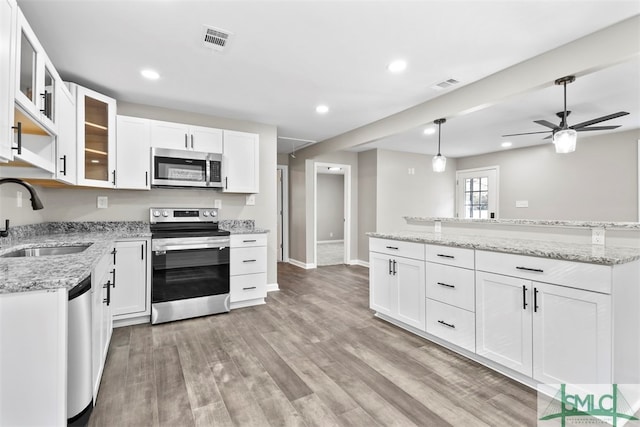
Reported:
(595, 254)
(60, 271)
(240, 226)
(528, 222)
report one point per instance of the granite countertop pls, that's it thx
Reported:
(241, 226)
(22, 274)
(534, 222)
(595, 254)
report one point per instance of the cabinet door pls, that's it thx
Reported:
(503, 320)
(130, 294)
(67, 152)
(96, 125)
(571, 335)
(8, 35)
(205, 139)
(133, 153)
(169, 135)
(410, 288)
(382, 295)
(240, 162)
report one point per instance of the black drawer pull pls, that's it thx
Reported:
(445, 256)
(249, 288)
(535, 300)
(249, 260)
(442, 322)
(390, 267)
(524, 297)
(249, 241)
(536, 270)
(395, 248)
(446, 285)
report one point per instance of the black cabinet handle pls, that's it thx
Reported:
(186, 144)
(142, 251)
(64, 165)
(446, 285)
(535, 300)
(395, 248)
(394, 267)
(249, 260)
(535, 270)
(114, 252)
(146, 179)
(249, 288)
(249, 241)
(524, 297)
(107, 300)
(390, 267)
(113, 272)
(19, 129)
(445, 256)
(114, 177)
(226, 182)
(191, 141)
(450, 325)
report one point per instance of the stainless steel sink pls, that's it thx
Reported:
(46, 251)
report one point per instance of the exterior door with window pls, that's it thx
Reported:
(477, 193)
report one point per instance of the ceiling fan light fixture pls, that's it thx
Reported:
(565, 141)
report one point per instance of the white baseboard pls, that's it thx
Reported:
(302, 264)
(119, 323)
(248, 303)
(359, 262)
(272, 287)
(330, 241)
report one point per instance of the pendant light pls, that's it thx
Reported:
(565, 138)
(439, 161)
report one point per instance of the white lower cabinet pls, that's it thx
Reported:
(131, 295)
(102, 319)
(397, 284)
(248, 270)
(452, 324)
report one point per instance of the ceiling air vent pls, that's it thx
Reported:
(215, 38)
(445, 84)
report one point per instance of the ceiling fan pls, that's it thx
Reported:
(564, 136)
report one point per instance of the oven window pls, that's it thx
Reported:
(180, 169)
(189, 274)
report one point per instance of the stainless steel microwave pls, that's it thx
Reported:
(183, 168)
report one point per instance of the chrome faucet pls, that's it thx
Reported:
(36, 204)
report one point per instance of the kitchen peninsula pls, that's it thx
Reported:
(530, 299)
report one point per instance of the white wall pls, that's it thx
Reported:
(367, 199)
(79, 204)
(330, 200)
(597, 182)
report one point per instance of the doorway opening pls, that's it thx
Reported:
(477, 193)
(332, 214)
(282, 180)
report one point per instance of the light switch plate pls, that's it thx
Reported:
(251, 199)
(103, 202)
(597, 236)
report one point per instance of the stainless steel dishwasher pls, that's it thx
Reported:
(79, 393)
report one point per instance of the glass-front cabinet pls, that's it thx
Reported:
(96, 125)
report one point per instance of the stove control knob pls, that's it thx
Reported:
(213, 213)
(205, 213)
(156, 213)
(165, 214)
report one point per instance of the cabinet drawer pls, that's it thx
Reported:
(451, 285)
(458, 257)
(248, 240)
(580, 275)
(397, 248)
(248, 260)
(452, 324)
(248, 287)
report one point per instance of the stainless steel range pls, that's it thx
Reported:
(190, 258)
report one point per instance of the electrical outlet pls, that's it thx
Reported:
(522, 203)
(251, 199)
(19, 199)
(437, 226)
(597, 236)
(103, 202)
(217, 203)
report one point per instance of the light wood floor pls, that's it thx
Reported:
(314, 355)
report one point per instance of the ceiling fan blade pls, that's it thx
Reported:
(527, 133)
(597, 128)
(549, 137)
(599, 119)
(546, 123)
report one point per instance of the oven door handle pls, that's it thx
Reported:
(183, 247)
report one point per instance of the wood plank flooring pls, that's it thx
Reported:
(314, 355)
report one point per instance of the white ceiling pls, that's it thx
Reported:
(286, 57)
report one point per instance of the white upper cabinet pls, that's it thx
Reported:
(133, 150)
(66, 143)
(8, 13)
(179, 136)
(96, 133)
(240, 162)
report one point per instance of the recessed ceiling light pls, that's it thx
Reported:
(430, 130)
(150, 74)
(506, 144)
(322, 109)
(397, 66)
